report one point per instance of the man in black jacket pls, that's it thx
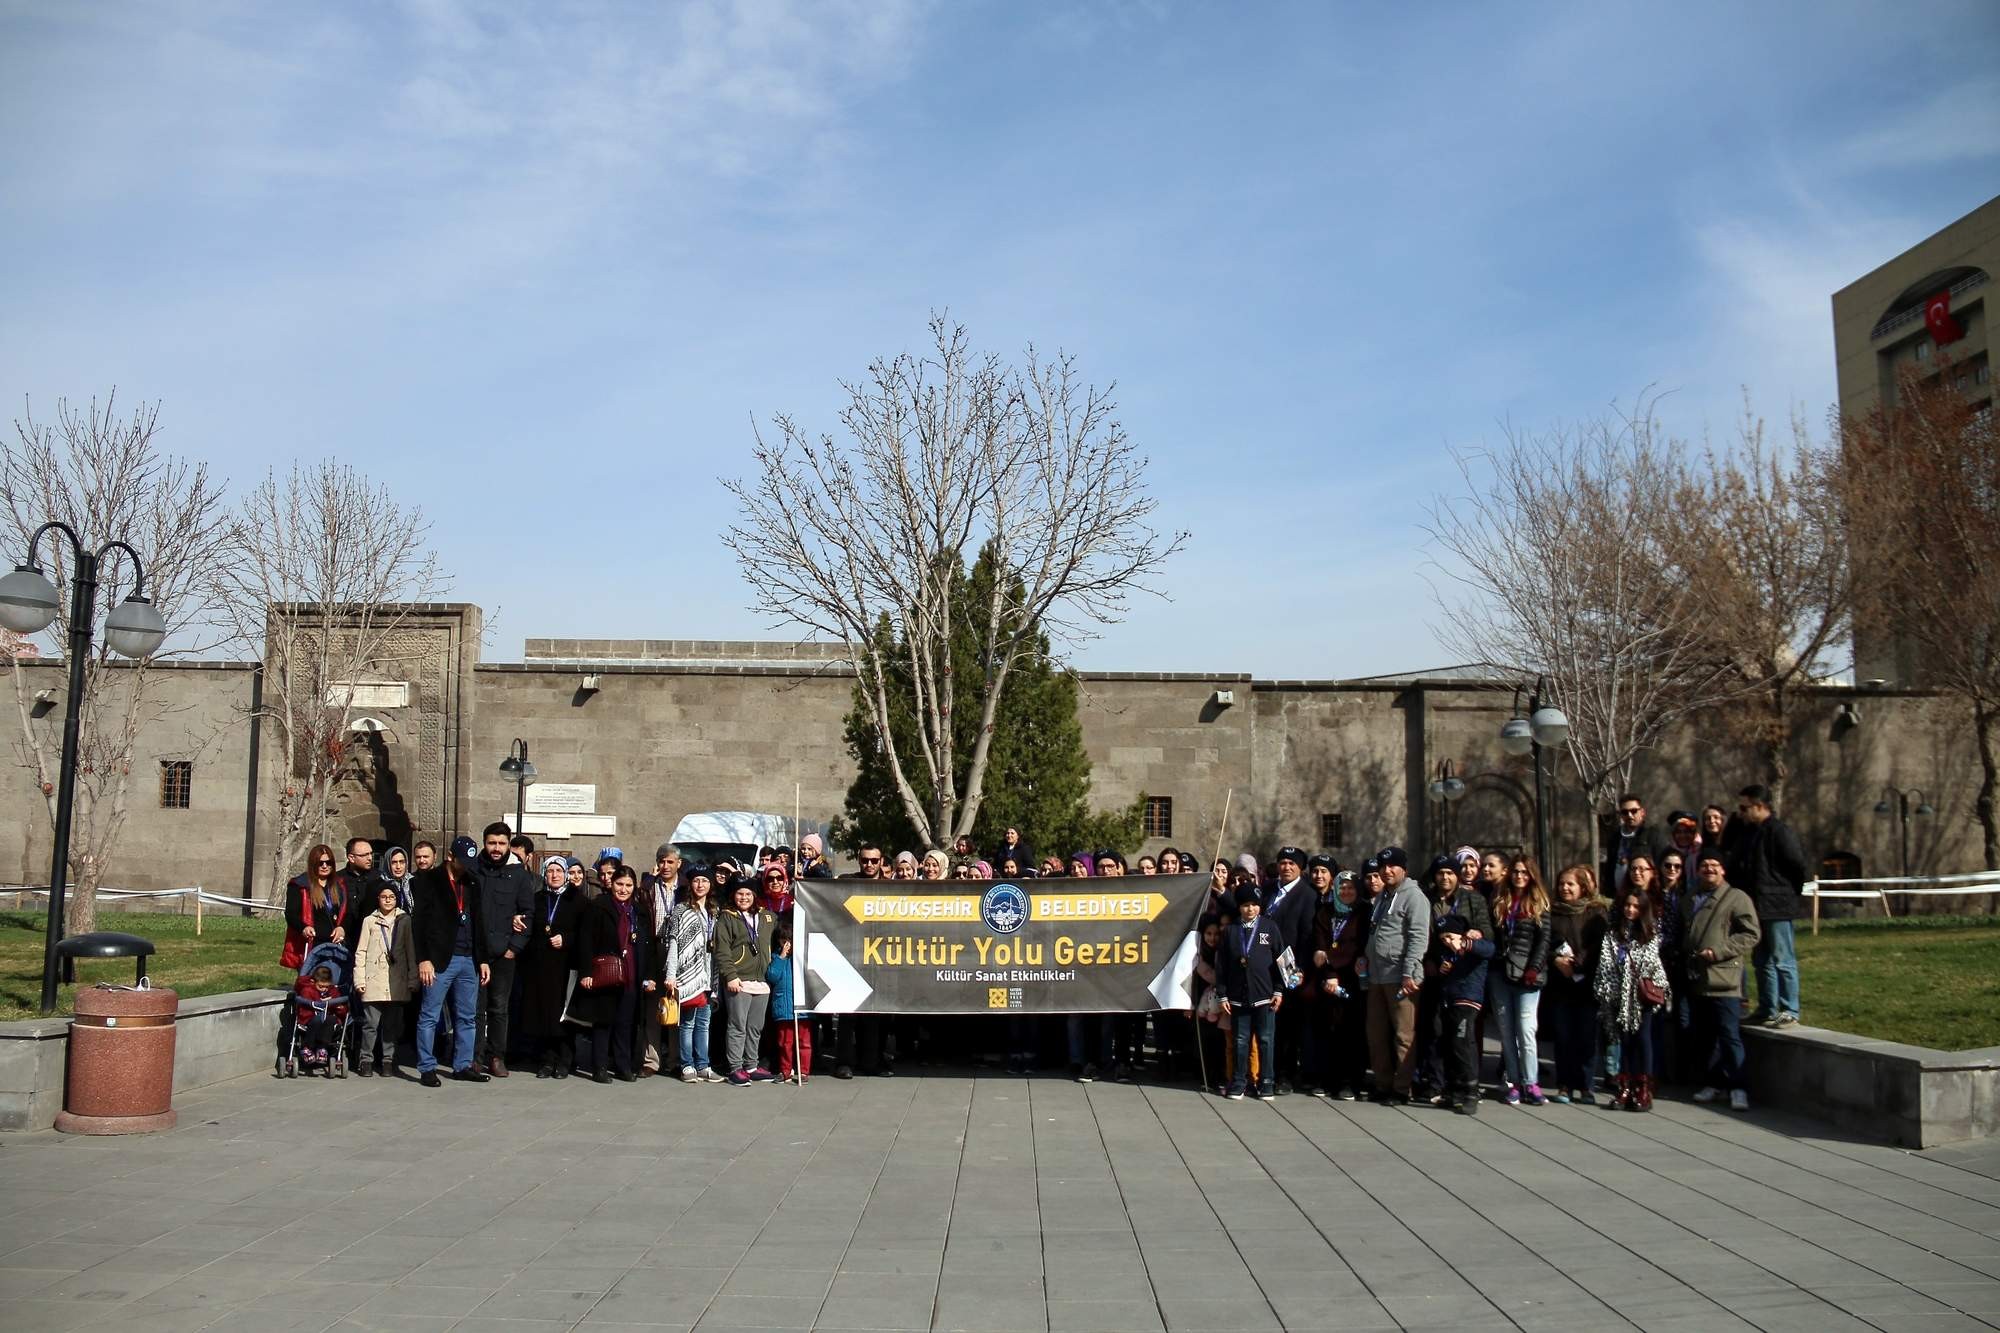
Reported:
(451, 963)
(1766, 861)
(1632, 839)
(1288, 911)
(506, 892)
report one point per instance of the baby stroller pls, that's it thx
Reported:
(322, 1002)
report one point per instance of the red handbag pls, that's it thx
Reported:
(1650, 992)
(294, 955)
(607, 972)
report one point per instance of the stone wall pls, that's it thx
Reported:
(667, 728)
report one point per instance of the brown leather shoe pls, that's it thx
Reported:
(498, 1067)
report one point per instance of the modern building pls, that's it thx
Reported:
(627, 736)
(1926, 311)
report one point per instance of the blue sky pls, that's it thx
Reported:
(539, 266)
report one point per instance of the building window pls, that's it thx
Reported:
(1330, 831)
(1923, 349)
(176, 783)
(1159, 816)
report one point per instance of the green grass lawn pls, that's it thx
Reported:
(1928, 981)
(231, 954)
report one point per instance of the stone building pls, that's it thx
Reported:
(627, 736)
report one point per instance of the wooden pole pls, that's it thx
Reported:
(197, 909)
(1815, 909)
(1223, 831)
(1886, 909)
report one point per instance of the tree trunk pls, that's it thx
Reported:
(1777, 733)
(1989, 780)
(80, 907)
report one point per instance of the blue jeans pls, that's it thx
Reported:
(694, 1036)
(1262, 1022)
(1777, 964)
(1514, 1007)
(459, 981)
(1718, 1022)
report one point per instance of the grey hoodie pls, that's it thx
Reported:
(1399, 932)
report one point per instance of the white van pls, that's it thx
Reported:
(736, 835)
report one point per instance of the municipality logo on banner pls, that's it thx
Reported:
(1053, 946)
(1004, 909)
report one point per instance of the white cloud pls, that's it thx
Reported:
(1955, 125)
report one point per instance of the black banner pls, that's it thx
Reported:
(1037, 946)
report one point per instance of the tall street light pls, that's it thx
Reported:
(1446, 789)
(1545, 727)
(1903, 810)
(134, 629)
(517, 767)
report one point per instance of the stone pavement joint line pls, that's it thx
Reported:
(974, 1202)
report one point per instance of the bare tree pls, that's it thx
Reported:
(945, 455)
(1767, 552)
(1919, 484)
(326, 568)
(1564, 546)
(102, 472)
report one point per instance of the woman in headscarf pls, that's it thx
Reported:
(394, 872)
(574, 866)
(906, 865)
(775, 896)
(613, 925)
(545, 966)
(936, 865)
(1081, 865)
(1468, 864)
(1340, 938)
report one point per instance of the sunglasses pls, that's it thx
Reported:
(324, 861)
(871, 860)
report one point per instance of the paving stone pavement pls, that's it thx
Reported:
(979, 1203)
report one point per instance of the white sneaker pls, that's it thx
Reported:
(710, 1076)
(1739, 1100)
(689, 1076)
(1707, 1095)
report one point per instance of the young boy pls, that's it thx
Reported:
(1252, 990)
(1459, 967)
(795, 1047)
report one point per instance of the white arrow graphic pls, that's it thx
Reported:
(1171, 986)
(845, 988)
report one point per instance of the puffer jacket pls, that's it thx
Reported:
(1522, 947)
(385, 969)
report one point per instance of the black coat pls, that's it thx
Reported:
(1616, 854)
(338, 912)
(1293, 918)
(506, 891)
(1766, 861)
(437, 919)
(545, 967)
(597, 933)
(1250, 977)
(1522, 948)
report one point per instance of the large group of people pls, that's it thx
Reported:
(1375, 981)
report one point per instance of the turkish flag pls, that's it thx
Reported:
(1937, 318)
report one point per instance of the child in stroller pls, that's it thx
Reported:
(319, 1011)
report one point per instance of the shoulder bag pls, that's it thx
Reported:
(607, 972)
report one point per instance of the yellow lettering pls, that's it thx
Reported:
(871, 951)
(983, 946)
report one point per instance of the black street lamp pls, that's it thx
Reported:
(1545, 727)
(1447, 788)
(517, 767)
(134, 628)
(1903, 810)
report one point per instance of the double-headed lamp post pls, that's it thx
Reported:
(1898, 803)
(517, 767)
(134, 628)
(1446, 788)
(1545, 727)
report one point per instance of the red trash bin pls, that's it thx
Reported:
(121, 1062)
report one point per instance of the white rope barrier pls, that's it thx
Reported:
(1913, 886)
(195, 891)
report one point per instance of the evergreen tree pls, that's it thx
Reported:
(1037, 777)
